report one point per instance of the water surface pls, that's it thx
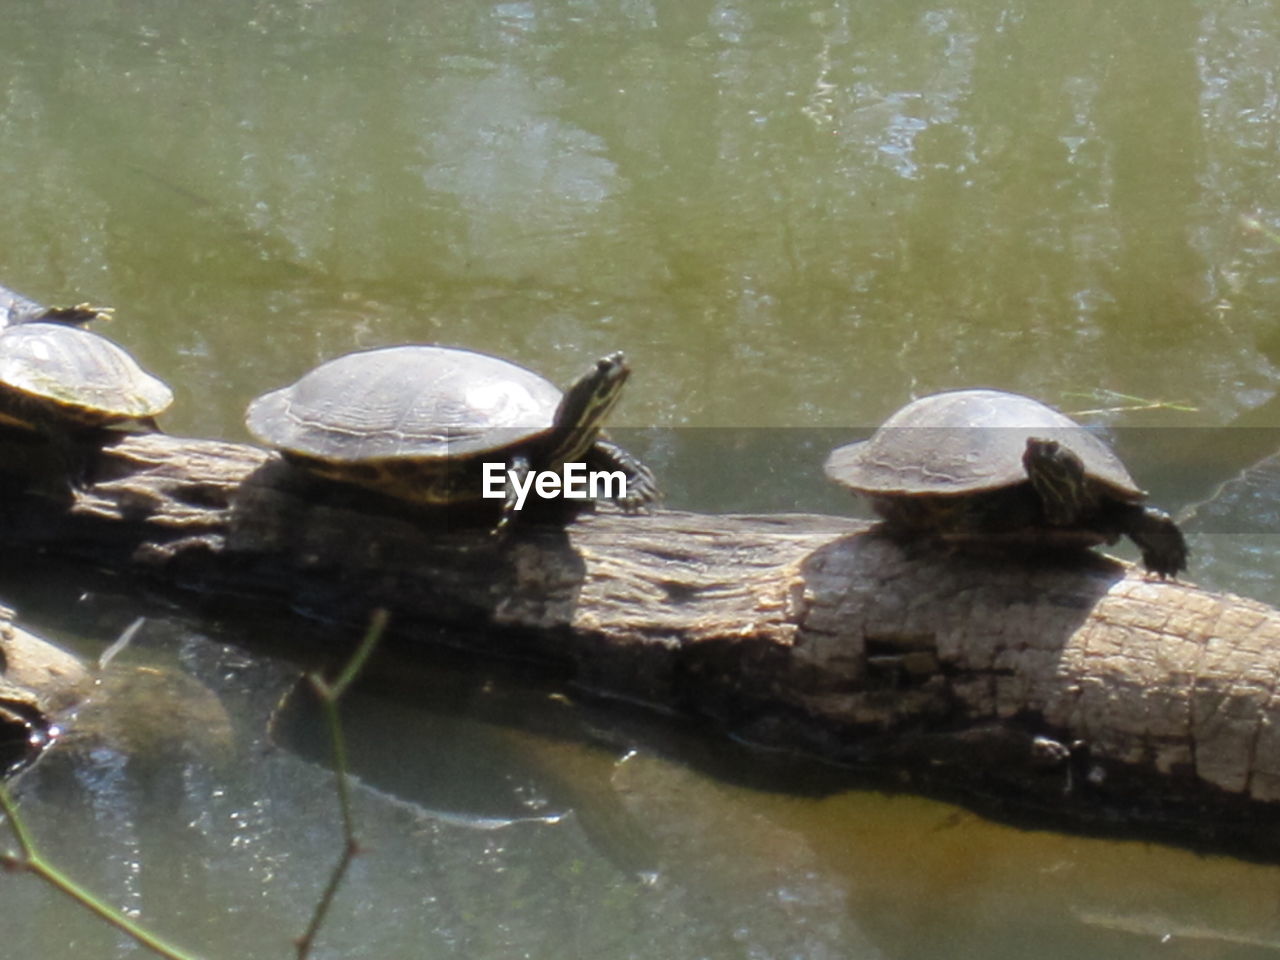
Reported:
(794, 216)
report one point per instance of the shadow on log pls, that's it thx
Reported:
(1072, 688)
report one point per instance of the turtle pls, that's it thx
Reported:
(986, 465)
(62, 380)
(418, 422)
(16, 309)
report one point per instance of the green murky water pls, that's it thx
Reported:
(793, 216)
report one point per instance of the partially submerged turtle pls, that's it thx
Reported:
(153, 713)
(418, 423)
(59, 379)
(987, 465)
(16, 309)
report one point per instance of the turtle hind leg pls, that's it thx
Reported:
(1164, 549)
(76, 457)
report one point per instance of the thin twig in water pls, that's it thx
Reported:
(330, 694)
(29, 858)
(1130, 403)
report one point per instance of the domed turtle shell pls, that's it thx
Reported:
(406, 402)
(425, 424)
(422, 403)
(965, 442)
(54, 374)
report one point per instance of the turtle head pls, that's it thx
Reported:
(585, 406)
(1058, 476)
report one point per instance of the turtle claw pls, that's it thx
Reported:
(642, 486)
(642, 490)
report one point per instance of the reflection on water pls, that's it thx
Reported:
(500, 816)
(787, 213)
(791, 214)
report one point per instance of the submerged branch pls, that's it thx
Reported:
(330, 694)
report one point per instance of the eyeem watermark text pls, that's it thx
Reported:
(576, 482)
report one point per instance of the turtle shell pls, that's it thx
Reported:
(419, 403)
(63, 372)
(966, 442)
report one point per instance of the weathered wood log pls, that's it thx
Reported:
(39, 682)
(1076, 687)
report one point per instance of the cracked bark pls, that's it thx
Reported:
(1072, 688)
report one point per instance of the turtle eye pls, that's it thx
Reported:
(612, 363)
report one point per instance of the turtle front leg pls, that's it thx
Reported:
(517, 477)
(1164, 549)
(642, 486)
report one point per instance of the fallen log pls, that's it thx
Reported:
(39, 682)
(1073, 687)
